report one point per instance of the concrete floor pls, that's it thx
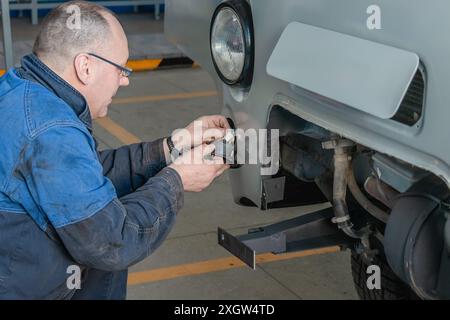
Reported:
(194, 238)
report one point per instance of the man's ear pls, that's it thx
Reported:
(83, 68)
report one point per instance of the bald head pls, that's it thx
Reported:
(116, 34)
(84, 44)
(74, 27)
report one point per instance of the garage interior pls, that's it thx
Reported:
(190, 264)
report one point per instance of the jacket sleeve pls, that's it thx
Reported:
(98, 230)
(129, 167)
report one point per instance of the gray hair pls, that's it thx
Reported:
(71, 28)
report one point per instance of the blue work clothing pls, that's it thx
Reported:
(64, 203)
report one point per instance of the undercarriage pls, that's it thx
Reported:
(381, 208)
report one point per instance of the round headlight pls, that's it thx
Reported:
(231, 42)
(227, 44)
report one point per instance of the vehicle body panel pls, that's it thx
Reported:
(415, 26)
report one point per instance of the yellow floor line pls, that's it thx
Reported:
(216, 265)
(144, 65)
(117, 131)
(177, 96)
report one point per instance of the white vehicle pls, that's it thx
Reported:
(359, 92)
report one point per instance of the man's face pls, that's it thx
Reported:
(107, 78)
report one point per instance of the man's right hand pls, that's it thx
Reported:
(197, 169)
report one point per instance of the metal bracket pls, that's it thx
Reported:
(310, 231)
(273, 190)
(237, 248)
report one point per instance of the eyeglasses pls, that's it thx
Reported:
(124, 71)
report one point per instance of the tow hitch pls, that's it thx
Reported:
(310, 231)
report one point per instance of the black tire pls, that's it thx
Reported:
(392, 288)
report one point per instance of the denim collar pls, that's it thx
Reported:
(33, 69)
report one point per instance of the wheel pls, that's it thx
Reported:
(392, 288)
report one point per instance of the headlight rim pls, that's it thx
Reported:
(243, 11)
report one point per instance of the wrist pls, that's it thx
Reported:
(173, 151)
(166, 152)
(178, 169)
(181, 141)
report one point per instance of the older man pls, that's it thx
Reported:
(63, 204)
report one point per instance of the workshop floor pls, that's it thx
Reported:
(190, 264)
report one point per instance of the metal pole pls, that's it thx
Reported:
(34, 12)
(7, 38)
(157, 11)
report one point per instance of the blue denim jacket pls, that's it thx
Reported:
(62, 202)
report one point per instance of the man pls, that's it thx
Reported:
(63, 204)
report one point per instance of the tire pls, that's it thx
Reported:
(392, 288)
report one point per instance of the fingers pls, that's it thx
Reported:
(207, 149)
(203, 155)
(219, 161)
(213, 134)
(216, 121)
(205, 129)
(198, 175)
(221, 122)
(221, 166)
(222, 170)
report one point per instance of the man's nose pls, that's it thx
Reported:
(124, 81)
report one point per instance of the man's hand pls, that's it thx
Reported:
(198, 168)
(205, 129)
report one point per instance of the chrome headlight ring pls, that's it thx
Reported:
(232, 43)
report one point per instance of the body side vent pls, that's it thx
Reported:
(411, 109)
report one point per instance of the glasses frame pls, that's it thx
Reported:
(124, 71)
